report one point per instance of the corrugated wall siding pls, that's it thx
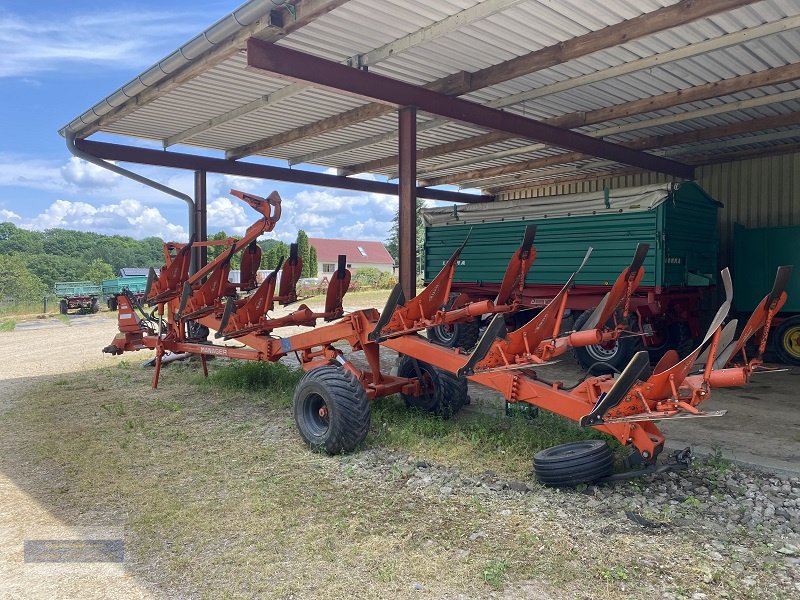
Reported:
(757, 192)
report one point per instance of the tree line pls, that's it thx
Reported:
(31, 262)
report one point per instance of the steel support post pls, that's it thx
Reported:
(201, 216)
(407, 117)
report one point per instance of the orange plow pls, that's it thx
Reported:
(331, 402)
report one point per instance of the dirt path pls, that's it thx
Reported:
(37, 350)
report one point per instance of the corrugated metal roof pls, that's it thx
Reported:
(357, 27)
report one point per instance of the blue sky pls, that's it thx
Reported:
(59, 58)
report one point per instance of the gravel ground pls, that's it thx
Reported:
(747, 522)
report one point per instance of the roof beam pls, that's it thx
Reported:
(297, 15)
(721, 42)
(647, 24)
(657, 141)
(298, 65)
(178, 160)
(432, 31)
(706, 91)
(517, 167)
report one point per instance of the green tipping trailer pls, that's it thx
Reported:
(112, 287)
(678, 221)
(77, 294)
(757, 254)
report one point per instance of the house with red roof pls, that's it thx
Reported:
(359, 254)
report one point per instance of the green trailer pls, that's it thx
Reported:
(678, 221)
(111, 288)
(757, 254)
(83, 295)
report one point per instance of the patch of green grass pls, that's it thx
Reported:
(494, 573)
(8, 325)
(254, 376)
(480, 441)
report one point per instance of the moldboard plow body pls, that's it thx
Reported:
(331, 401)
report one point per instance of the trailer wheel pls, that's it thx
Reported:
(606, 358)
(678, 337)
(456, 335)
(63, 307)
(112, 303)
(95, 306)
(571, 464)
(331, 410)
(787, 341)
(445, 393)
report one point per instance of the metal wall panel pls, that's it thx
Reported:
(757, 192)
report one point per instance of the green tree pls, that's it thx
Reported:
(17, 282)
(98, 271)
(313, 267)
(393, 241)
(303, 253)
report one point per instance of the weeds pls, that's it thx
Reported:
(255, 376)
(9, 325)
(494, 573)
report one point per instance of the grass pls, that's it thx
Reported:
(8, 325)
(220, 499)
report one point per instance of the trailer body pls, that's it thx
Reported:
(82, 295)
(678, 221)
(111, 288)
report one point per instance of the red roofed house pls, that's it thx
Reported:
(359, 255)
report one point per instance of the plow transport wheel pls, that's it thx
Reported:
(444, 393)
(570, 464)
(331, 410)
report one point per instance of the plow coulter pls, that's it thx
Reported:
(331, 402)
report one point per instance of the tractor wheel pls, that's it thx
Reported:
(331, 410)
(444, 393)
(571, 464)
(787, 341)
(456, 335)
(63, 307)
(606, 358)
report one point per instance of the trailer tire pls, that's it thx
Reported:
(679, 338)
(447, 393)
(63, 307)
(573, 463)
(331, 410)
(95, 306)
(456, 335)
(606, 358)
(112, 303)
(787, 341)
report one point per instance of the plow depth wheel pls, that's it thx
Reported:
(787, 341)
(443, 393)
(331, 410)
(456, 335)
(573, 463)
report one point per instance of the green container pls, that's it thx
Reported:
(135, 284)
(76, 289)
(757, 254)
(679, 222)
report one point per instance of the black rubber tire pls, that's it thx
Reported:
(447, 393)
(457, 335)
(786, 339)
(616, 357)
(63, 307)
(348, 413)
(573, 463)
(95, 307)
(112, 303)
(679, 338)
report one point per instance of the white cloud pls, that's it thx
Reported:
(8, 215)
(86, 175)
(49, 41)
(366, 230)
(126, 217)
(227, 214)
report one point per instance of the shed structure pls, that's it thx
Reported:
(514, 98)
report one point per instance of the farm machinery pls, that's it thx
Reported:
(331, 402)
(83, 295)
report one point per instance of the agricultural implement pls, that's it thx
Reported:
(331, 402)
(83, 295)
